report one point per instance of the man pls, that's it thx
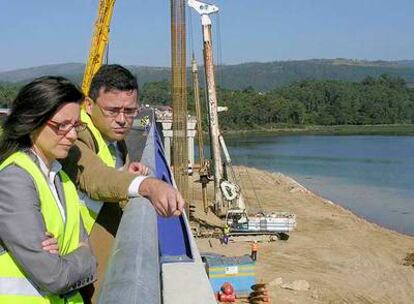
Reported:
(99, 162)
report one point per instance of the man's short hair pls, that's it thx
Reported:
(112, 77)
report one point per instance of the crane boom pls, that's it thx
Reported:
(99, 42)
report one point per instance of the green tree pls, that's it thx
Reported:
(156, 93)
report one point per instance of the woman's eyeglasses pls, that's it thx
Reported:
(64, 127)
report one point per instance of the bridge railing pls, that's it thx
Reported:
(154, 260)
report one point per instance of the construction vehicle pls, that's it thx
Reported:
(99, 42)
(228, 197)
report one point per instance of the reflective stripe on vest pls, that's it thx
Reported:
(52, 299)
(67, 234)
(20, 287)
(91, 208)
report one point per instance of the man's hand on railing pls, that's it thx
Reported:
(138, 169)
(166, 200)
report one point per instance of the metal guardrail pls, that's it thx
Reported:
(154, 258)
(133, 273)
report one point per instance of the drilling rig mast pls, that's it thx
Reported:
(228, 198)
(205, 10)
(203, 172)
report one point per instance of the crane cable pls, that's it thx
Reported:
(219, 78)
(254, 191)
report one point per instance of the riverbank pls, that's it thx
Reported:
(342, 257)
(397, 129)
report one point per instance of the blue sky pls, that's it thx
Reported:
(38, 32)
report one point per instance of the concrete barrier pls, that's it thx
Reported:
(154, 259)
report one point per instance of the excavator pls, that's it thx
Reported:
(228, 197)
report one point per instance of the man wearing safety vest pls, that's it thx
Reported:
(99, 161)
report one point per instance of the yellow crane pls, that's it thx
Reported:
(99, 42)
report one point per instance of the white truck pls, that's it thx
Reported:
(262, 223)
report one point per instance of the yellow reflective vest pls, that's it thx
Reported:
(90, 212)
(15, 287)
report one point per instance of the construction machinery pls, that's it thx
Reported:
(205, 10)
(228, 197)
(204, 164)
(99, 42)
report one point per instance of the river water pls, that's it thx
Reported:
(371, 175)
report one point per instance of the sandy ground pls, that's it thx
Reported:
(342, 257)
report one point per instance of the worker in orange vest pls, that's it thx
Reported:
(255, 247)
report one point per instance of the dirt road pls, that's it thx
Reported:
(335, 255)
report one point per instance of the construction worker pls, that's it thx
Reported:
(100, 165)
(145, 121)
(255, 247)
(226, 232)
(44, 252)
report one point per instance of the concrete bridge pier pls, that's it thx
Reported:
(167, 133)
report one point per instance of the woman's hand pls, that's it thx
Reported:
(50, 244)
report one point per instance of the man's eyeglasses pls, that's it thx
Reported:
(64, 127)
(114, 112)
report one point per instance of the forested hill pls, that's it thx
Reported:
(372, 101)
(260, 76)
(267, 76)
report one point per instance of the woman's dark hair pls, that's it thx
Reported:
(112, 77)
(33, 106)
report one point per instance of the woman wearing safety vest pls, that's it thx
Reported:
(44, 252)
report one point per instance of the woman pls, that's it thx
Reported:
(38, 201)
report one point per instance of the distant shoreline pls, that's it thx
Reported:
(396, 130)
